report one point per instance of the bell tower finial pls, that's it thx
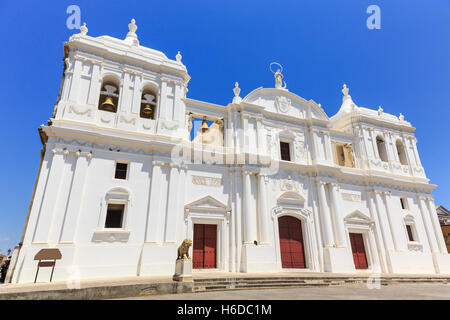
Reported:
(83, 29)
(131, 35)
(237, 99)
(178, 57)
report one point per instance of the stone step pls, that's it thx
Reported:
(349, 279)
(216, 284)
(267, 284)
(300, 282)
(279, 278)
(258, 286)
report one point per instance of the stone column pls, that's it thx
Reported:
(125, 97)
(232, 242)
(137, 94)
(436, 225)
(387, 196)
(155, 218)
(238, 182)
(177, 110)
(50, 197)
(327, 227)
(163, 111)
(379, 237)
(263, 211)
(76, 197)
(179, 204)
(328, 150)
(408, 155)
(416, 153)
(171, 215)
(374, 144)
(384, 222)
(337, 216)
(94, 86)
(75, 83)
(427, 225)
(260, 135)
(250, 234)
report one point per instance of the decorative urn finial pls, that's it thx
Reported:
(132, 27)
(237, 99)
(345, 90)
(83, 29)
(401, 117)
(131, 35)
(178, 57)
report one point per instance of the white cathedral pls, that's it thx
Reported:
(269, 183)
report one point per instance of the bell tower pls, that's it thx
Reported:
(120, 84)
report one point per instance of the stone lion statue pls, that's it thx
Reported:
(183, 250)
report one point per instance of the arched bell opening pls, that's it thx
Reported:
(148, 102)
(381, 146)
(401, 152)
(109, 94)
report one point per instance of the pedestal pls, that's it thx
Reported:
(183, 270)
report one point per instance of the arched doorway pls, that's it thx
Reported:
(291, 242)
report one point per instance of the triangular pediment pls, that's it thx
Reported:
(291, 197)
(207, 203)
(357, 216)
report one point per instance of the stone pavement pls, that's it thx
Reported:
(350, 292)
(94, 288)
(110, 288)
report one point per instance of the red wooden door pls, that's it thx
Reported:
(205, 243)
(291, 242)
(359, 252)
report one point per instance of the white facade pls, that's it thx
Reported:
(339, 179)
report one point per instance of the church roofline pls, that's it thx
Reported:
(286, 93)
(127, 51)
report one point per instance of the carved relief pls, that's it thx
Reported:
(148, 125)
(207, 181)
(124, 120)
(282, 104)
(351, 197)
(80, 111)
(169, 126)
(415, 247)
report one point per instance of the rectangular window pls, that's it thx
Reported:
(121, 170)
(285, 151)
(410, 233)
(114, 216)
(403, 203)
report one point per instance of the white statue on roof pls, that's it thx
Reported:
(131, 35)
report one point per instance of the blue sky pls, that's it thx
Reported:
(404, 66)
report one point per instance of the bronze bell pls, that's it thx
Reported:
(108, 104)
(204, 125)
(147, 110)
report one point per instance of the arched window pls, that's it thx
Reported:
(116, 208)
(410, 228)
(381, 145)
(401, 152)
(109, 94)
(148, 102)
